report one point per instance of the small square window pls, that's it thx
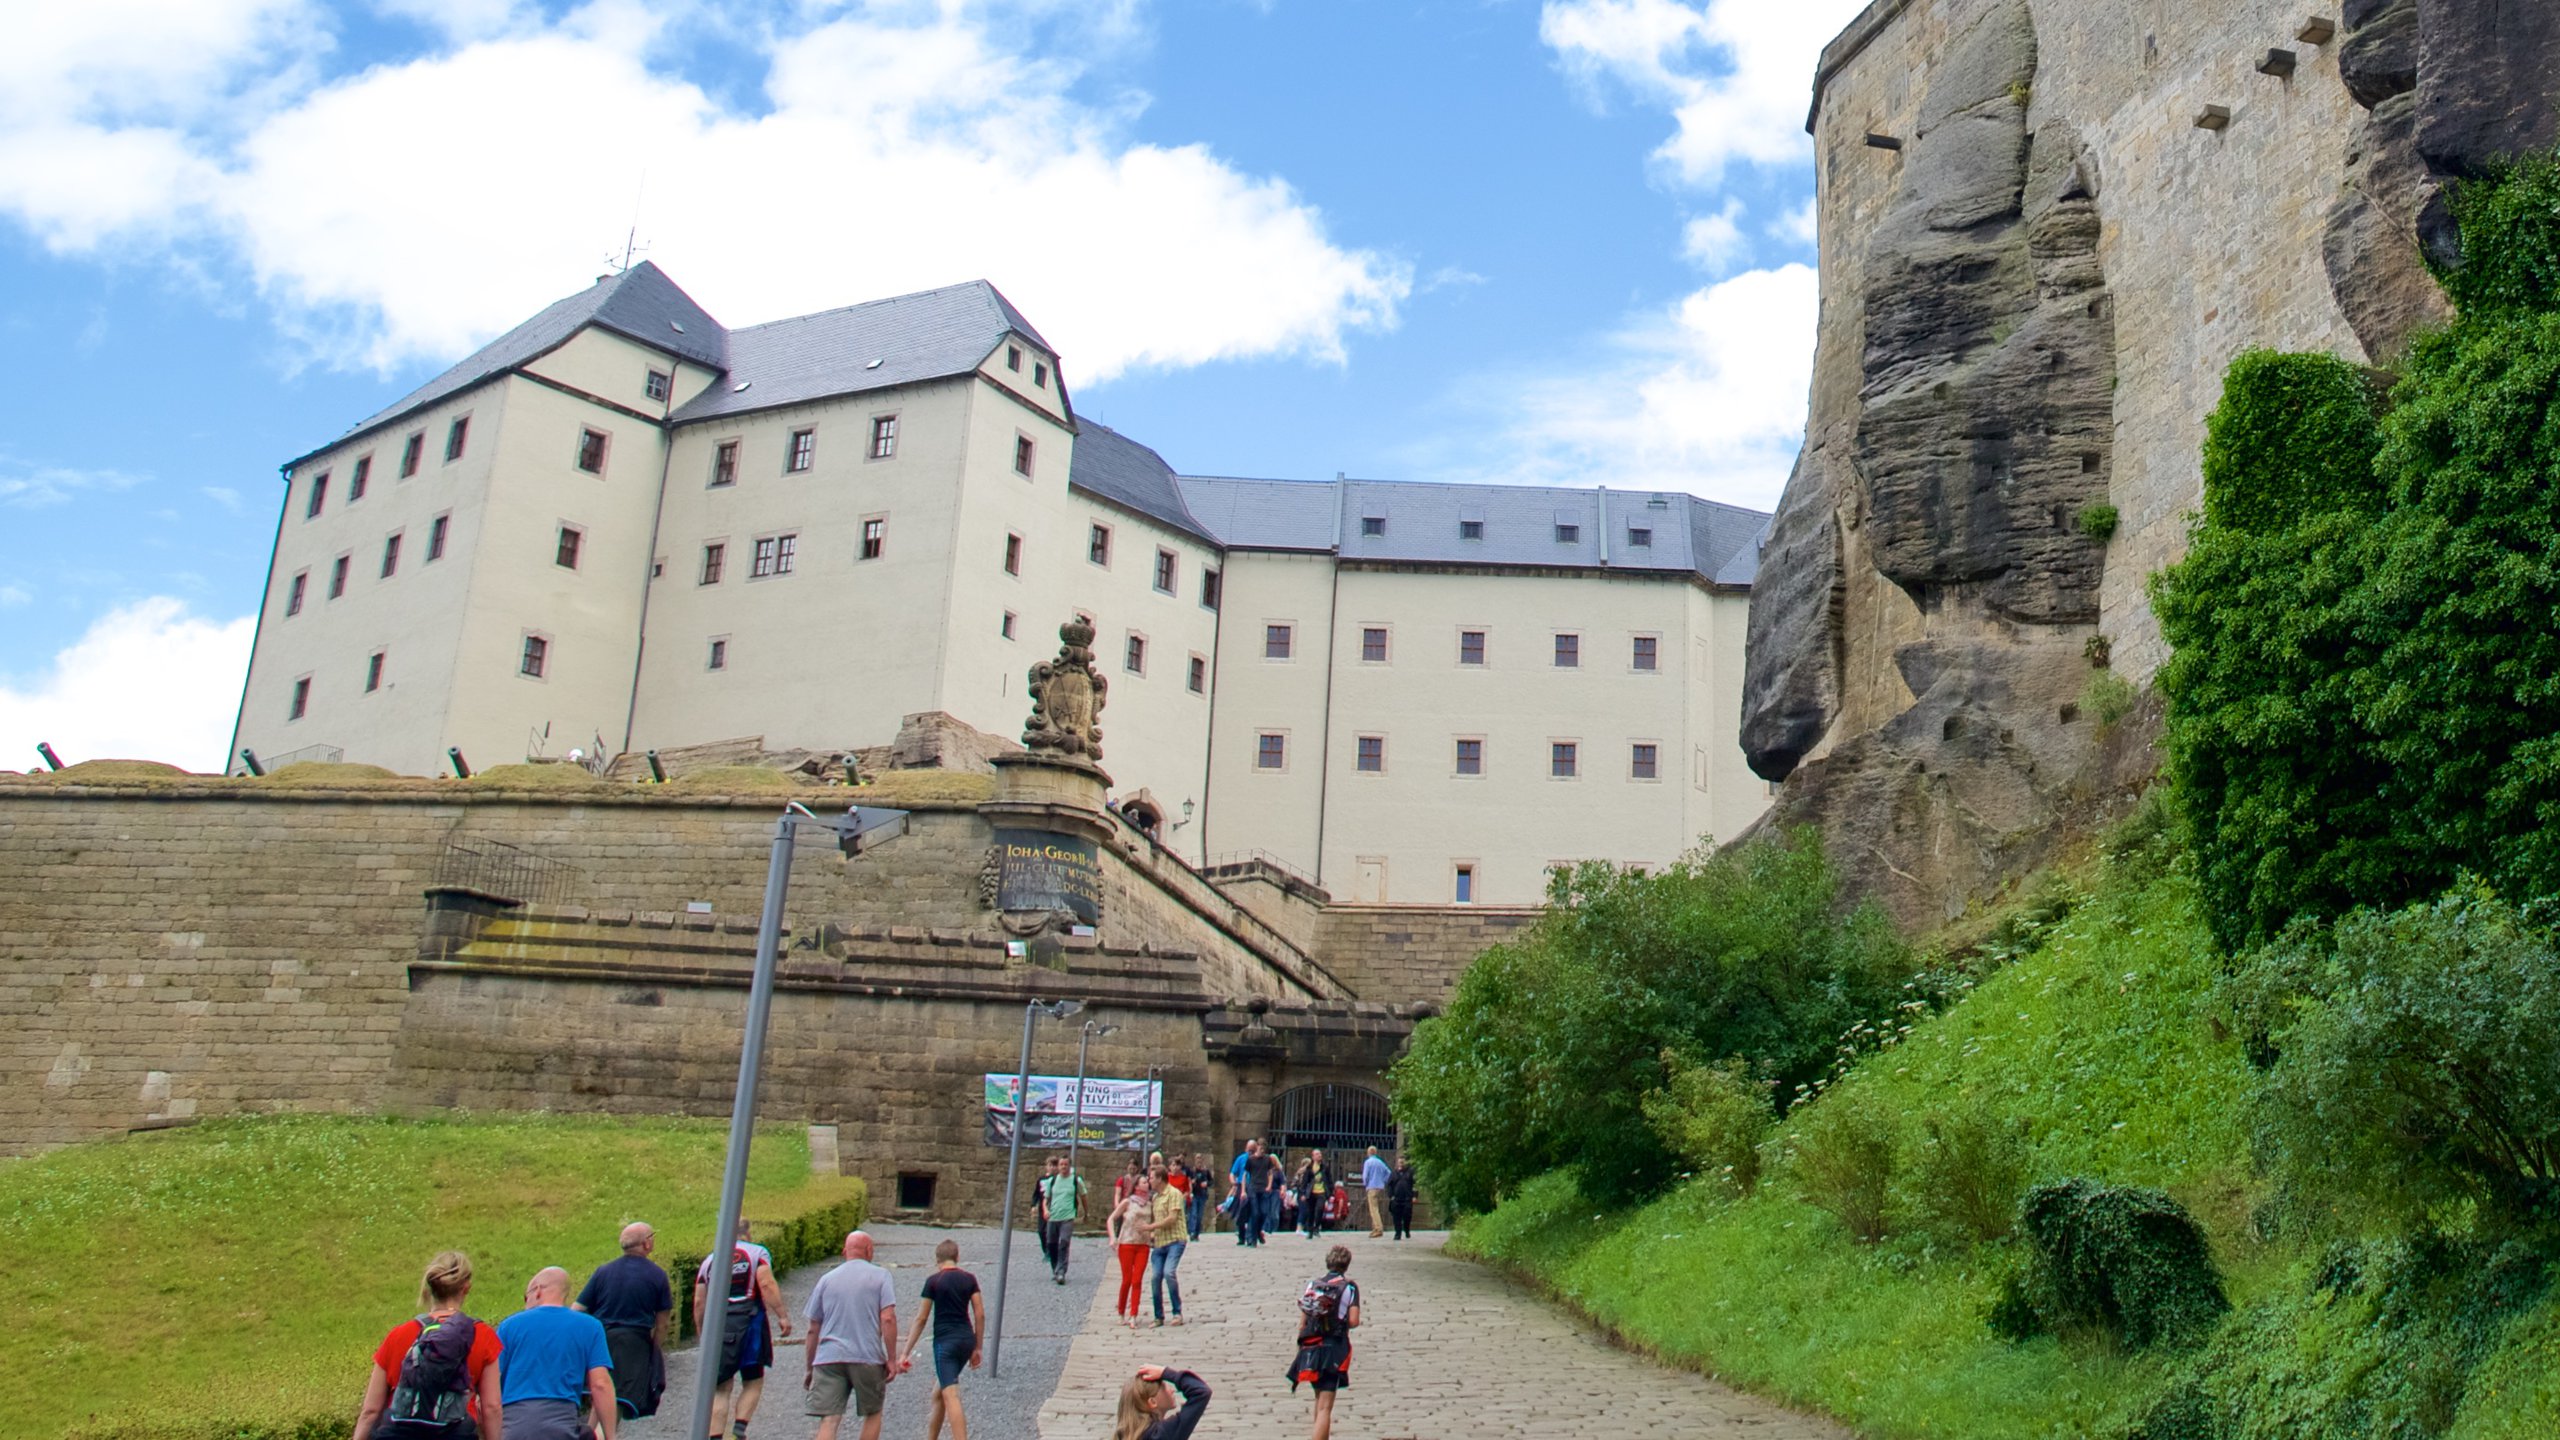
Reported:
(1373, 526)
(884, 436)
(373, 672)
(1465, 891)
(660, 385)
(1564, 759)
(1639, 537)
(338, 577)
(1013, 358)
(1097, 545)
(724, 464)
(1647, 652)
(362, 477)
(319, 496)
(1642, 762)
(1006, 628)
(719, 655)
(801, 453)
(1167, 563)
(1133, 657)
(1198, 681)
(1470, 647)
(875, 538)
(1568, 534)
(391, 555)
(1471, 757)
(1275, 642)
(293, 592)
(774, 554)
(435, 537)
(572, 540)
(1470, 529)
(412, 450)
(1568, 651)
(1271, 751)
(537, 655)
(1209, 583)
(1022, 455)
(715, 558)
(591, 451)
(454, 435)
(1372, 755)
(1373, 644)
(1013, 554)
(915, 1191)
(301, 699)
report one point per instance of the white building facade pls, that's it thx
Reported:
(622, 526)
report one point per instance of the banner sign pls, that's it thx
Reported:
(1118, 1114)
(1041, 870)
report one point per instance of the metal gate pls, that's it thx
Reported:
(1331, 1117)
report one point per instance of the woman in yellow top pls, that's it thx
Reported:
(1171, 1229)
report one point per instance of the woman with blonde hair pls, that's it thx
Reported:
(1147, 1405)
(1132, 1230)
(432, 1379)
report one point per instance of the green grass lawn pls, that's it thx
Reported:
(242, 1270)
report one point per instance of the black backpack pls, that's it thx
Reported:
(433, 1395)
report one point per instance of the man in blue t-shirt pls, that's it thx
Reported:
(549, 1358)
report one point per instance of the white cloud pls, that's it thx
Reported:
(1714, 243)
(1737, 75)
(226, 497)
(1707, 396)
(13, 595)
(1798, 225)
(149, 681)
(33, 487)
(411, 209)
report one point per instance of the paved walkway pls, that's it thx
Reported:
(1448, 1351)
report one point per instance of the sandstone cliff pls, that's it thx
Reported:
(2046, 228)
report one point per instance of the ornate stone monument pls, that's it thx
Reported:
(1044, 871)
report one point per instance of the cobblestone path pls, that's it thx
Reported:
(1448, 1351)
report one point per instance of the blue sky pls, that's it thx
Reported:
(1563, 242)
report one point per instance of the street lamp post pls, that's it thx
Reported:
(858, 824)
(1012, 1170)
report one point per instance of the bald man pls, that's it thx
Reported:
(631, 1298)
(853, 1341)
(550, 1358)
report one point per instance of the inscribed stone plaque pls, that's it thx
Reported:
(1042, 870)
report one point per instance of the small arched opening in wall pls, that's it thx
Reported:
(1331, 1117)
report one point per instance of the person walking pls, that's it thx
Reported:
(1262, 1183)
(1400, 1186)
(1315, 1191)
(959, 1314)
(1238, 1201)
(1171, 1235)
(432, 1377)
(1040, 1211)
(1131, 1229)
(1147, 1405)
(1196, 1221)
(753, 1304)
(853, 1341)
(1328, 1311)
(1061, 1193)
(1128, 1180)
(1374, 1178)
(550, 1359)
(630, 1297)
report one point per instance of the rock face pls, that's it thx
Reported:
(2046, 227)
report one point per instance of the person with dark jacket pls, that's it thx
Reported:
(631, 1298)
(1147, 1405)
(1400, 1185)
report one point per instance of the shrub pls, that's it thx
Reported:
(2116, 1260)
(2510, 221)
(2098, 522)
(1843, 1151)
(1715, 1118)
(1552, 1040)
(2295, 435)
(2416, 1067)
(1968, 1172)
(2109, 696)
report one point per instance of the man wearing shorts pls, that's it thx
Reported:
(753, 1301)
(959, 1316)
(1328, 1311)
(853, 1333)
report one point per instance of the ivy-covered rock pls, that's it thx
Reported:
(2119, 1260)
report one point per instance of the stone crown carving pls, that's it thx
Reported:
(1067, 696)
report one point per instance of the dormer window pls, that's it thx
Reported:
(661, 384)
(1640, 536)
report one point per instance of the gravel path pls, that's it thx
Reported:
(1042, 1319)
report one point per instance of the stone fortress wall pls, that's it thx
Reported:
(2046, 228)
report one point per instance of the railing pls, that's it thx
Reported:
(1238, 861)
(505, 872)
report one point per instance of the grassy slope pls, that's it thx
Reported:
(247, 1268)
(2103, 1042)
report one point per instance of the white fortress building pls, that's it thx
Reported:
(622, 526)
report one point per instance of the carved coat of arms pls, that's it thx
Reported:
(1067, 695)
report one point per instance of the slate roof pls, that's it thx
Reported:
(925, 336)
(1119, 469)
(1514, 524)
(641, 303)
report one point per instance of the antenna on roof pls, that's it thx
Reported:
(632, 249)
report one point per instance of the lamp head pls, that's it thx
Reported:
(1064, 1008)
